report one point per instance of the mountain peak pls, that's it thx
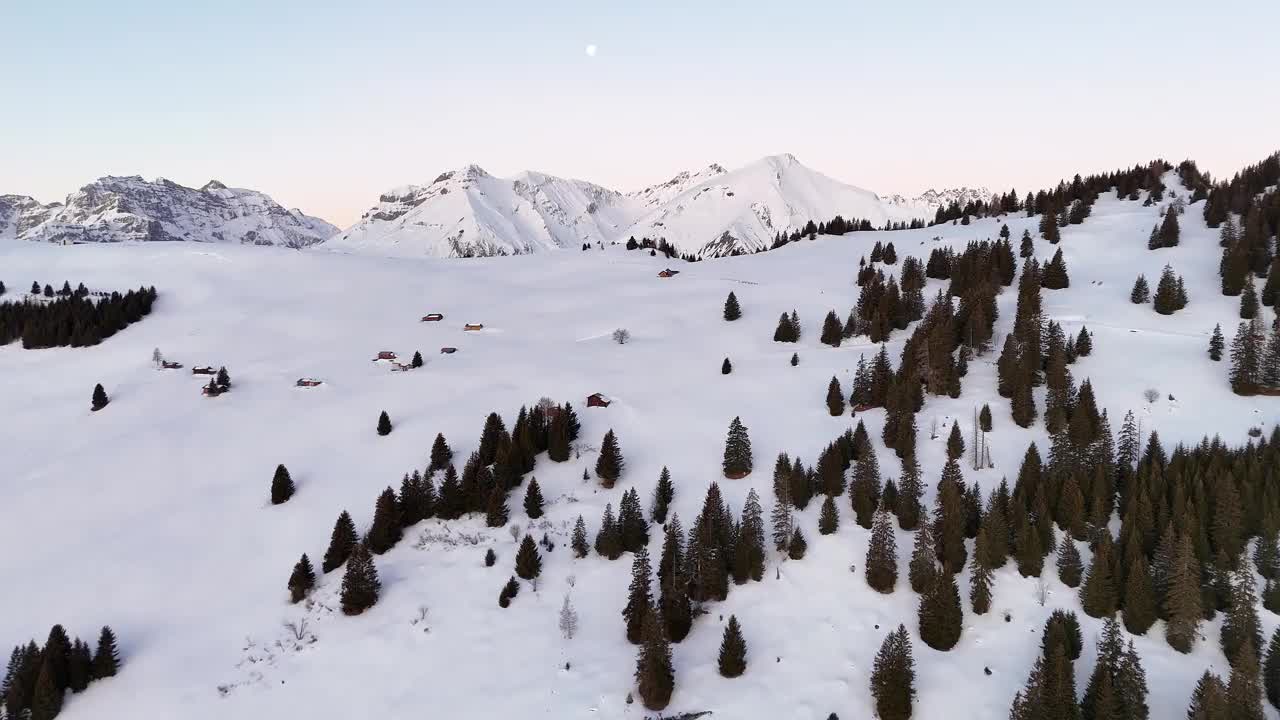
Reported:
(213, 185)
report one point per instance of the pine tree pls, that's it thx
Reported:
(1098, 596)
(1241, 625)
(726, 367)
(655, 677)
(832, 330)
(910, 490)
(106, 661)
(1062, 628)
(835, 398)
(416, 362)
(787, 330)
(1139, 597)
(1216, 343)
(609, 465)
(1182, 602)
(441, 454)
(882, 555)
(46, 700)
(795, 359)
(496, 514)
(341, 542)
(223, 379)
(639, 598)
(79, 666)
(1244, 691)
(1070, 567)
(360, 585)
(893, 677)
(1169, 229)
(1141, 293)
(385, 530)
(1271, 671)
(579, 542)
(301, 580)
(733, 650)
(737, 451)
(1209, 699)
(384, 423)
(922, 569)
(1249, 301)
(1027, 248)
(829, 517)
(940, 615)
(955, 443)
(984, 418)
(100, 399)
(731, 310)
(797, 547)
(633, 529)
(1166, 299)
(608, 539)
(528, 560)
(281, 486)
(1247, 358)
(979, 586)
(663, 494)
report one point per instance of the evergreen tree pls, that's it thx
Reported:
(1247, 358)
(416, 362)
(495, 511)
(528, 560)
(922, 568)
(223, 380)
(731, 310)
(1139, 597)
(639, 598)
(787, 330)
(1166, 298)
(441, 454)
(1241, 626)
(609, 465)
(99, 399)
(46, 700)
(1209, 699)
(579, 542)
(281, 486)
(360, 585)
(663, 494)
(302, 579)
(341, 542)
(940, 615)
(893, 677)
(737, 451)
(882, 555)
(835, 398)
(655, 677)
(533, 500)
(726, 367)
(829, 517)
(797, 547)
(1141, 293)
(1070, 567)
(1169, 229)
(733, 650)
(1062, 628)
(608, 538)
(384, 423)
(1027, 248)
(979, 586)
(385, 530)
(795, 359)
(955, 443)
(1271, 670)
(984, 418)
(1098, 596)
(106, 661)
(1054, 276)
(1244, 691)
(910, 490)
(832, 330)
(79, 666)
(633, 529)
(1249, 301)
(1181, 605)
(1216, 343)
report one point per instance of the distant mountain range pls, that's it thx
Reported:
(467, 212)
(118, 209)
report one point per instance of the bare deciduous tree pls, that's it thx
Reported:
(568, 619)
(622, 336)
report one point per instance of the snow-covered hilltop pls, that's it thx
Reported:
(708, 212)
(118, 209)
(926, 204)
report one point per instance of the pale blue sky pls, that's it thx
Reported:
(325, 104)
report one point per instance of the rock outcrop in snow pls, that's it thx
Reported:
(118, 209)
(19, 213)
(708, 212)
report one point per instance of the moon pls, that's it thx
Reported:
(591, 51)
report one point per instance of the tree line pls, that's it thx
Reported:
(37, 678)
(72, 318)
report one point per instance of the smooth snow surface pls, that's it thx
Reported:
(153, 515)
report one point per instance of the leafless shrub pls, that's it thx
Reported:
(1151, 395)
(621, 336)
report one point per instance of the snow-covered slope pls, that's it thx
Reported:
(153, 515)
(470, 213)
(709, 212)
(926, 204)
(117, 209)
(19, 213)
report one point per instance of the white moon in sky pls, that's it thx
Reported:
(591, 51)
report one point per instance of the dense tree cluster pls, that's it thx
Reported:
(72, 317)
(37, 678)
(1255, 358)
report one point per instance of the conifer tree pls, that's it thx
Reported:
(1249, 301)
(1139, 597)
(1070, 567)
(787, 330)
(441, 454)
(1216, 343)
(1209, 699)
(922, 568)
(579, 542)
(832, 330)
(726, 367)
(655, 677)
(384, 423)
(733, 650)
(663, 494)
(1244, 691)
(940, 615)
(302, 579)
(360, 585)
(882, 555)
(416, 362)
(797, 547)
(495, 510)
(979, 586)
(795, 359)
(281, 486)
(533, 500)
(1247, 358)
(341, 542)
(1271, 671)
(528, 560)
(608, 539)
(828, 517)
(223, 380)
(1168, 234)
(731, 310)
(910, 490)
(99, 399)
(737, 451)
(46, 699)
(1141, 293)
(385, 530)
(639, 598)
(1055, 273)
(984, 418)
(835, 398)
(1241, 626)
(1027, 248)
(893, 677)
(633, 529)
(609, 465)
(955, 442)
(1062, 628)
(1166, 299)
(79, 667)
(1181, 605)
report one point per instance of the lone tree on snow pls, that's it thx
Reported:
(302, 579)
(100, 399)
(731, 310)
(610, 463)
(384, 423)
(281, 486)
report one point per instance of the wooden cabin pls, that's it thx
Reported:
(170, 365)
(432, 317)
(860, 408)
(448, 350)
(598, 400)
(205, 370)
(385, 355)
(473, 326)
(309, 382)
(668, 273)
(211, 390)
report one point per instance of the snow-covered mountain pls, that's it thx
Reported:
(19, 213)
(117, 209)
(927, 203)
(707, 212)
(469, 212)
